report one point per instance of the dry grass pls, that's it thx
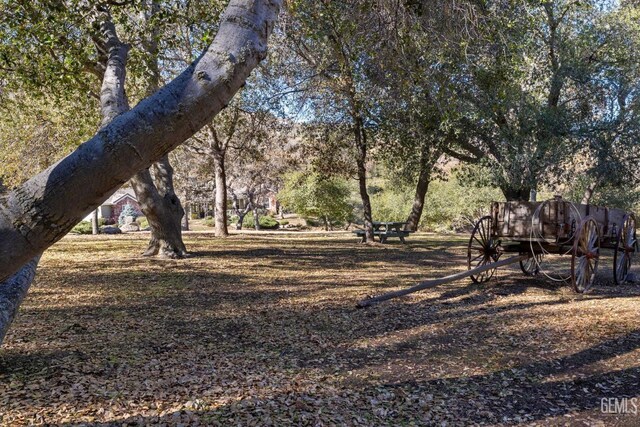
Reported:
(263, 330)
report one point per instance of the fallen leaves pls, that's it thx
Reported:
(263, 331)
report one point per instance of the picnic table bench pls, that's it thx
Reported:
(385, 229)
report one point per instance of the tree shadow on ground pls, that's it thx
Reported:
(462, 353)
(534, 392)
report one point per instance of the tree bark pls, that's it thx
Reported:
(418, 200)
(94, 222)
(588, 193)
(160, 201)
(361, 145)
(240, 213)
(12, 293)
(424, 178)
(221, 194)
(187, 212)
(254, 208)
(42, 210)
(162, 208)
(516, 194)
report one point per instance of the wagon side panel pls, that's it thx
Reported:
(513, 219)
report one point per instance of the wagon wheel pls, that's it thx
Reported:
(483, 249)
(585, 255)
(625, 249)
(531, 265)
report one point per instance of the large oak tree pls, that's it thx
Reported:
(43, 209)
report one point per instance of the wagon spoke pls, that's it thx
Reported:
(478, 257)
(482, 250)
(592, 238)
(482, 231)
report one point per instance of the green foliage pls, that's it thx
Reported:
(142, 222)
(625, 196)
(312, 195)
(83, 227)
(34, 132)
(449, 205)
(267, 222)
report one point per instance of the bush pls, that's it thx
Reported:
(209, 221)
(284, 222)
(83, 227)
(310, 194)
(142, 222)
(448, 206)
(194, 215)
(267, 222)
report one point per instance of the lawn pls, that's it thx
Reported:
(262, 329)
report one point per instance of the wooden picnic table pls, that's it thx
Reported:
(386, 229)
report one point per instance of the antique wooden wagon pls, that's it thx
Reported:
(556, 226)
(534, 232)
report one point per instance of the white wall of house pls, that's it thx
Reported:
(104, 211)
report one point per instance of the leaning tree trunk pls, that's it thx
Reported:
(42, 210)
(426, 164)
(221, 195)
(588, 193)
(12, 293)
(418, 201)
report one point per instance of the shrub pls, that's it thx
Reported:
(449, 205)
(267, 222)
(83, 227)
(310, 194)
(142, 222)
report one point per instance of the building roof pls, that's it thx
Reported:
(119, 195)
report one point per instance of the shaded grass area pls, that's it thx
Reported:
(263, 330)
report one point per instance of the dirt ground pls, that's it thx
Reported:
(262, 329)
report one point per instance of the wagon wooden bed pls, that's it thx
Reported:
(533, 231)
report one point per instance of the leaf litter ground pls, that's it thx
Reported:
(263, 330)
